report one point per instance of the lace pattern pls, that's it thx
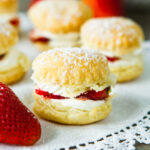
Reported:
(123, 139)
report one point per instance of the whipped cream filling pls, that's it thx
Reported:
(67, 36)
(63, 43)
(79, 104)
(7, 17)
(134, 53)
(65, 91)
(59, 40)
(11, 60)
(127, 61)
(111, 54)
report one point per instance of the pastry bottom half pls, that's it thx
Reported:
(130, 72)
(16, 73)
(68, 115)
(12, 75)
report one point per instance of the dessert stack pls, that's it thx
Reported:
(13, 64)
(120, 40)
(57, 23)
(72, 86)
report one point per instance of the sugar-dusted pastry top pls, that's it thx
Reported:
(71, 71)
(59, 16)
(117, 35)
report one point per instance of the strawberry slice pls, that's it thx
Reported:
(40, 39)
(48, 95)
(2, 56)
(33, 2)
(15, 22)
(112, 59)
(18, 125)
(93, 95)
(35, 39)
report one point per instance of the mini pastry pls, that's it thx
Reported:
(8, 12)
(57, 23)
(120, 40)
(72, 86)
(13, 64)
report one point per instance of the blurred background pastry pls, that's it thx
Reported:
(13, 64)
(57, 22)
(120, 40)
(9, 12)
(72, 86)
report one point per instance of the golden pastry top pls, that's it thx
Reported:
(59, 16)
(117, 35)
(71, 70)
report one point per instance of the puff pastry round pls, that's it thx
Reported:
(69, 72)
(57, 23)
(120, 40)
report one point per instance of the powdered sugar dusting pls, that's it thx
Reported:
(75, 68)
(59, 10)
(74, 55)
(110, 28)
(5, 28)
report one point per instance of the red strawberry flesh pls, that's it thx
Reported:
(48, 95)
(2, 56)
(112, 59)
(35, 39)
(18, 125)
(91, 94)
(15, 22)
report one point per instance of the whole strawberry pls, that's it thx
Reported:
(18, 125)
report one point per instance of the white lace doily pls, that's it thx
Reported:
(124, 138)
(129, 121)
